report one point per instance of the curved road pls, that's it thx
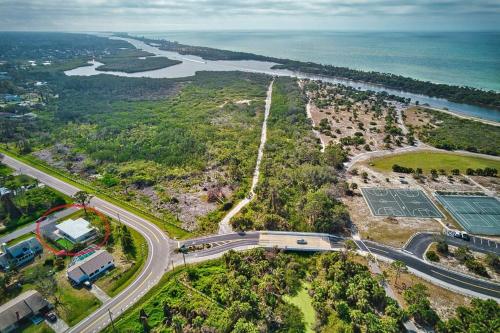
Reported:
(419, 243)
(161, 252)
(464, 283)
(154, 267)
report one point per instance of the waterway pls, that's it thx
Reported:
(192, 64)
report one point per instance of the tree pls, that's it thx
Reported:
(82, 198)
(481, 316)
(178, 322)
(398, 267)
(419, 306)
(335, 155)
(127, 241)
(242, 223)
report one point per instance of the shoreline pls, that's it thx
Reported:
(461, 115)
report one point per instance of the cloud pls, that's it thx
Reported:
(73, 13)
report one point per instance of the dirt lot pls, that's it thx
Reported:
(338, 116)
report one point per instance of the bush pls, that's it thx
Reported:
(493, 261)
(432, 256)
(476, 267)
(442, 247)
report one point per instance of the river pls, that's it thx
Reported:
(192, 64)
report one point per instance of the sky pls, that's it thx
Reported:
(164, 15)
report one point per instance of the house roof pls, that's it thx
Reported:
(75, 228)
(25, 305)
(89, 265)
(21, 248)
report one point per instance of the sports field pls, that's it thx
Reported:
(476, 214)
(428, 160)
(400, 203)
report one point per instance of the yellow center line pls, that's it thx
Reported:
(116, 212)
(470, 284)
(119, 303)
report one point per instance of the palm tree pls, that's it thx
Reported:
(398, 266)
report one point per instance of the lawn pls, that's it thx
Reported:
(64, 243)
(428, 160)
(119, 278)
(77, 303)
(304, 302)
(40, 328)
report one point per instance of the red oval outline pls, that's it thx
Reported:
(101, 216)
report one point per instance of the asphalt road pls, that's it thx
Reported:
(420, 242)
(160, 254)
(32, 226)
(462, 281)
(154, 267)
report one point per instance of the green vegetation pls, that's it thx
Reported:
(481, 316)
(24, 201)
(71, 304)
(40, 328)
(134, 65)
(304, 302)
(467, 95)
(251, 292)
(180, 151)
(298, 184)
(132, 60)
(457, 94)
(170, 228)
(454, 133)
(427, 160)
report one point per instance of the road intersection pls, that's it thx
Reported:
(161, 253)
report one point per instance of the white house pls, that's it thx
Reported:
(76, 231)
(91, 267)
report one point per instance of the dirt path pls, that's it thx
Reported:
(309, 115)
(224, 226)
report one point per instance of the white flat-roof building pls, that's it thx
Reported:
(76, 231)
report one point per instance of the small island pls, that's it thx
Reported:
(134, 65)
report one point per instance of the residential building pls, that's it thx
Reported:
(90, 267)
(19, 254)
(76, 231)
(21, 309)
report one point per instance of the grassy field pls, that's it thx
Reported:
(428, 160)
(304, 302)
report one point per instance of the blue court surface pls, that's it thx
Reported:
(476, 214)
(400, 203)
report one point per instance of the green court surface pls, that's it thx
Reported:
(476, 214)
(400, 203)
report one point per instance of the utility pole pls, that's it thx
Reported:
(183, 250)
(112, 322)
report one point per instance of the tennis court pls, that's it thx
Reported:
(400, 203)
(476, 214)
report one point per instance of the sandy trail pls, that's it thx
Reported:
(224, 226)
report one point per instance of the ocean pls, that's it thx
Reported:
(457, 58)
